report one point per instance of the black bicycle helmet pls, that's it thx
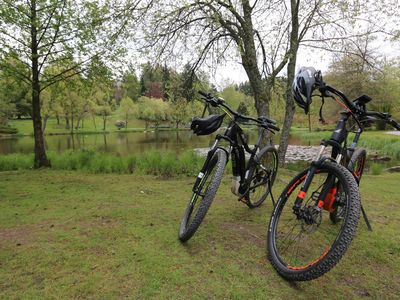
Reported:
(303, 86)
(207, 125)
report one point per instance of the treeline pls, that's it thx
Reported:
(159, 95)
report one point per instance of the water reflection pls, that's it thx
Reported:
(120, 143)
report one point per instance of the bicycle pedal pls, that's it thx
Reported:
(243, 199)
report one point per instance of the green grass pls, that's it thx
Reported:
(373, 140)
(150, 162)
(77, 235)
(376, 169)
(25, 126)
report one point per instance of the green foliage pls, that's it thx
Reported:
(242, 109)
(354, 77)
(128, 108)
(376, 169)
(234, 98)
(16, 161)
(153, 111)
(131, 85)
(179, 111)
(7, 110)
(14, 92)
(161, 81)
(152, 163)
(8, 130)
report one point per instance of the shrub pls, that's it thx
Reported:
(16, 161)
(8, 130)
(151, 163)
(376, 169)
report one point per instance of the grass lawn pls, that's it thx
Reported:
(25, 126)
(77, 235)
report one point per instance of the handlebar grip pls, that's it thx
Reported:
(203, 94)
(276, 128)
(394, 124)
(271, 126)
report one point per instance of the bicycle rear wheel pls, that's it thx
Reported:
(202, 198)
(306, 247)
(356, 167)
(357, 163)
(263, 175)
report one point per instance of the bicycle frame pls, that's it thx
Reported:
(338, 141)
(238, 145)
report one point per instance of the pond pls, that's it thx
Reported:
(126, 143)
(121, 143)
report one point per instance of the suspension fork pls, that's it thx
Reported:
(327, 187)
(201, 176)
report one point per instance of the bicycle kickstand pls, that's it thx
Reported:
(270, 192)
(366, 218)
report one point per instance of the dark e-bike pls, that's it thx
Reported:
(316, 215)
(252, 181)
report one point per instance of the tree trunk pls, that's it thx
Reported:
(40, 149)
(104, 123)
(72, 123)
(46, 117)
(291, 68)
(58, 119)
(289, 113)
(67, 122)
(126, 122)
(262, 89)
(78, 123)
(94, 122)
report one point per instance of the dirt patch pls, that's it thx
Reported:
(245, 232)
(95, 222)
(22, 235)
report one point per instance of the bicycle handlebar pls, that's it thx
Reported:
(357, 111)
(382, 117)
(262, 121)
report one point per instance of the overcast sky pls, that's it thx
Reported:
(233, 72)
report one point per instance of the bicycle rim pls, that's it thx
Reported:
(264, 175)
(300, 244)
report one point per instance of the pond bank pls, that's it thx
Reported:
(295, 153)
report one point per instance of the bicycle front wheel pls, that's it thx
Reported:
(307, 245)
(263, 175)
(203, 196)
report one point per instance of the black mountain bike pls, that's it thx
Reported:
(252, 181)
(316, 216)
